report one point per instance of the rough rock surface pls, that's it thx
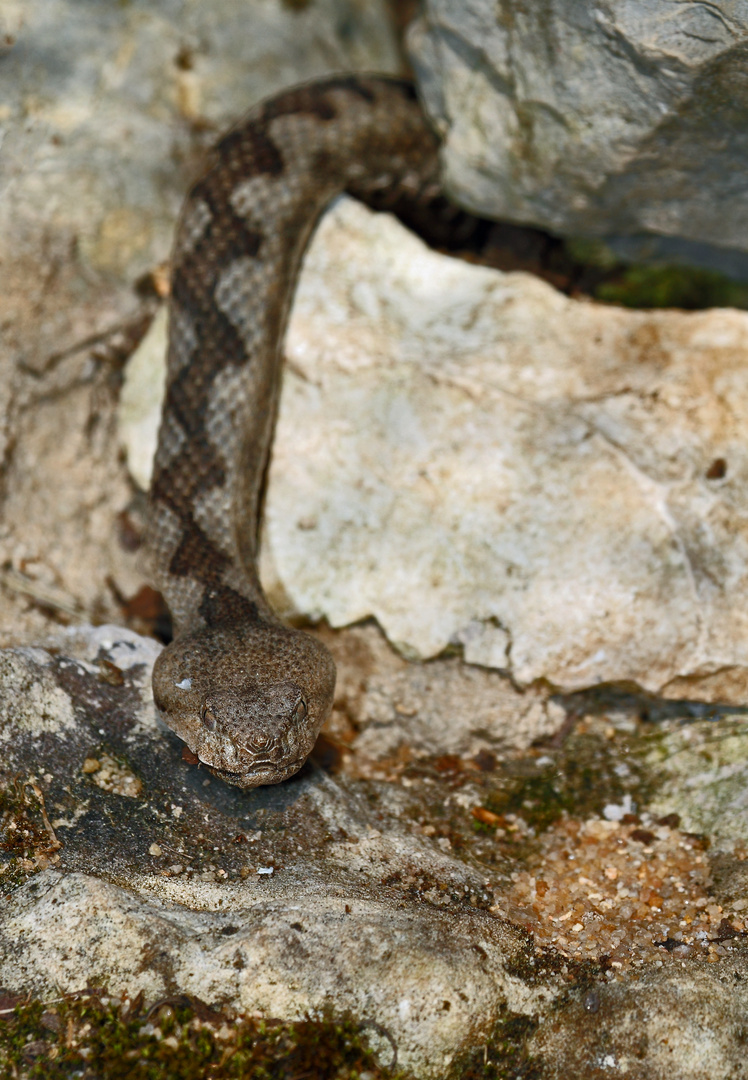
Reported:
(703, 776)
(634, 1031)
(122, 865)
(158, 879)
(605, 118)
(476, 460)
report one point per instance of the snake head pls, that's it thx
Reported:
(250, 710)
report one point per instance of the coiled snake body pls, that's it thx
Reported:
(245, 692)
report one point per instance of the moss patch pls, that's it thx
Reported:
(504, 1055)
(686, 287)
(590, 771)
(93, 1036)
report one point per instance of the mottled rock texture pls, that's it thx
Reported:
(593, 119)
(284, 901)
(124, 866)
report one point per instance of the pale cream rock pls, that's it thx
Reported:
(474, 446)
(32, 703)
(145, 383)
(62, 930)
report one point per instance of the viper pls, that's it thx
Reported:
(247, 693)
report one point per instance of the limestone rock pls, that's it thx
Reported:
(702, 773)
(123, 866)
(148, 876)
(443, 707)
(636, 1030)
(592, 119)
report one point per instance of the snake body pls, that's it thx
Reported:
(247, 693)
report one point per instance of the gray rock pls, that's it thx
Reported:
(702, 775)
(636, 1030)
(592, 119)
(123, 866)
(148, 876)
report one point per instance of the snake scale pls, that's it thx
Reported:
(246, 693)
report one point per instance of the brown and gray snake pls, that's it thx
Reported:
(246, 693)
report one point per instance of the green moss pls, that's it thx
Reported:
(584, 776)
(504, 1055)
(176, 1040)
(660, 286)
(539, 800)
(590, 251)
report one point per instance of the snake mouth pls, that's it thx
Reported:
(264, 772)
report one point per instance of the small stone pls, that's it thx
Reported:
(592, 1001)
(155, 850)
(91, 765)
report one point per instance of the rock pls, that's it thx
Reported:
(144, 384)
(106, 117)
(476, 460)
(444, 707)
(636, 1030)
(124, 867)
(116, 127)
(281, 902)
(702, 774)
(594, 120)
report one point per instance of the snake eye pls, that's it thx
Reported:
(299, 712)
(208, 717)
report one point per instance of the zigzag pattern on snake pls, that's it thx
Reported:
(247, 693)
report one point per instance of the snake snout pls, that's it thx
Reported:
(259, 741)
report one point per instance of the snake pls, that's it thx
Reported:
(246, 692)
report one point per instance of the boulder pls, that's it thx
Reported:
(592, 119)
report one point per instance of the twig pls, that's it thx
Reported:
(55, 843)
